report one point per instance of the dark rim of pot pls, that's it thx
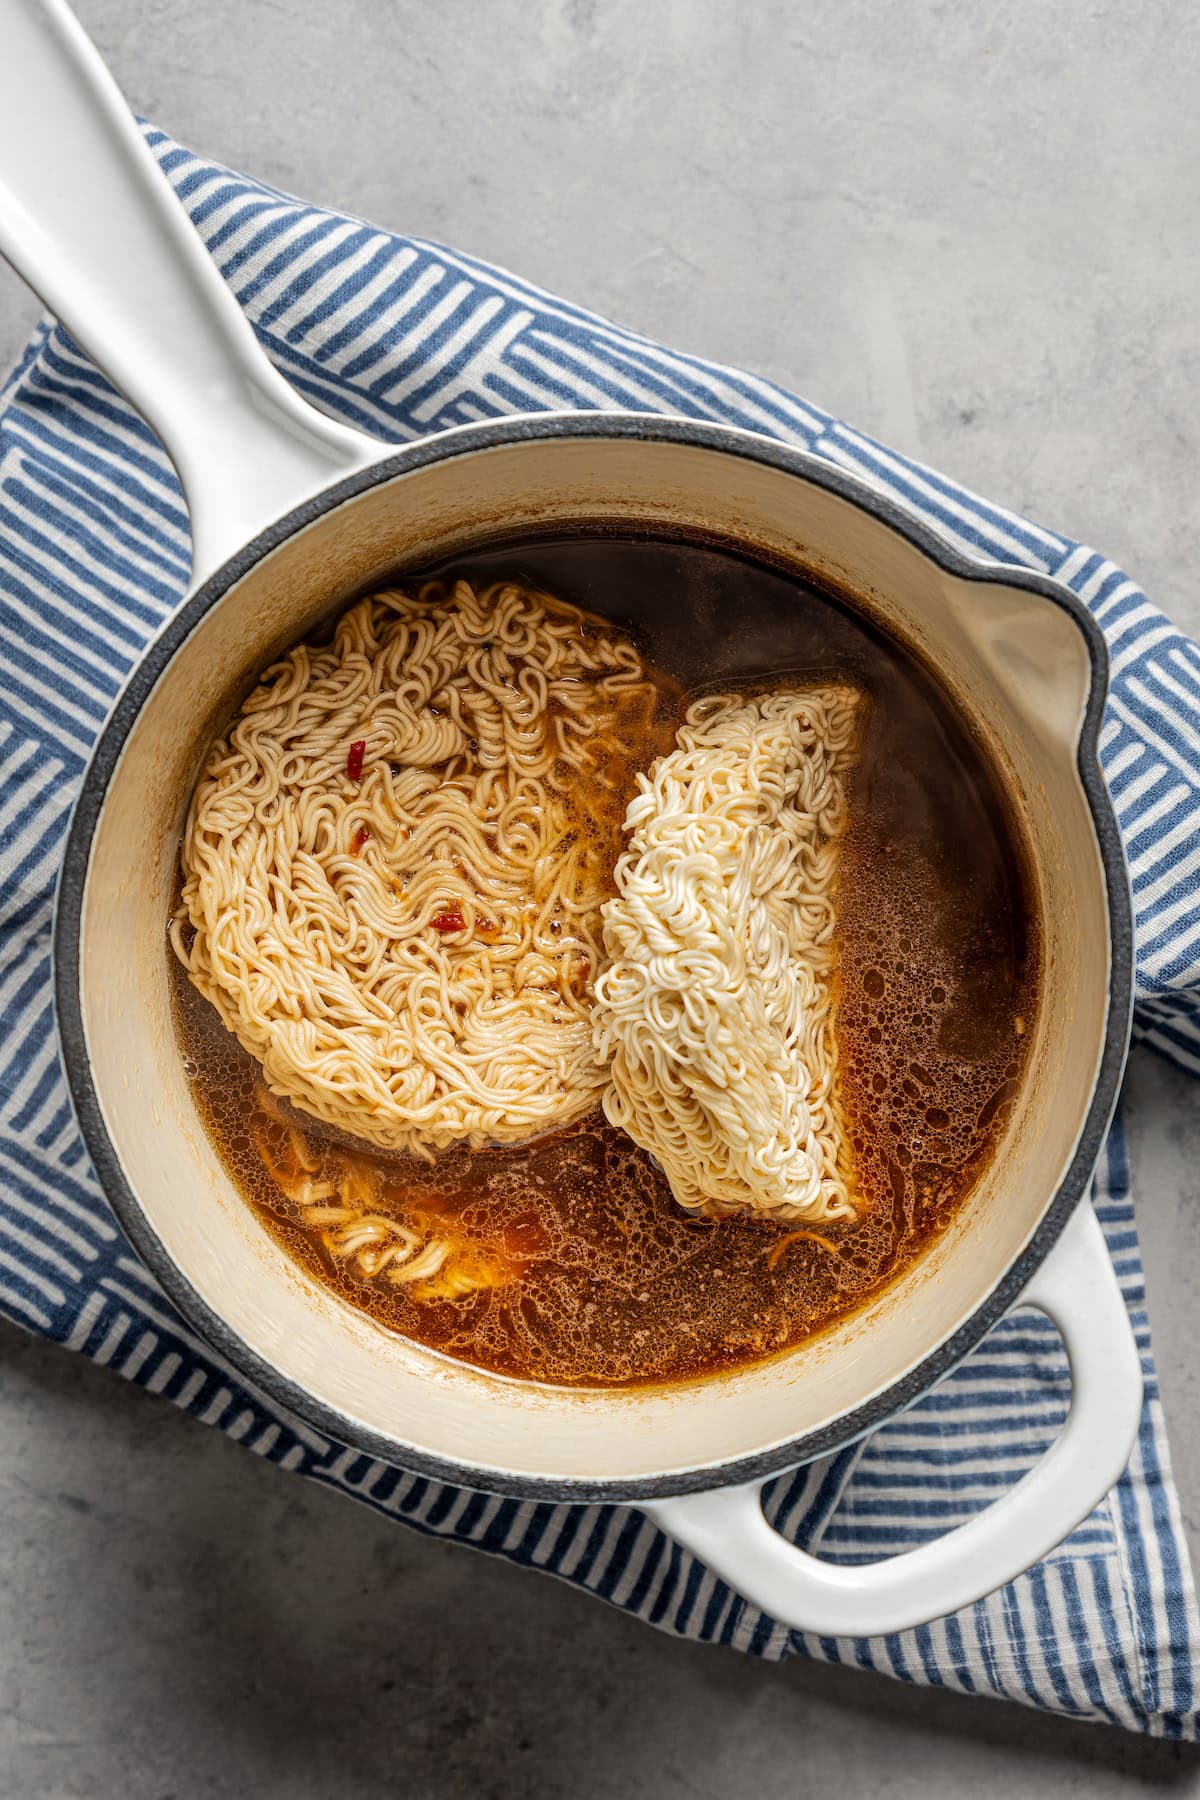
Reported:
(69, 918)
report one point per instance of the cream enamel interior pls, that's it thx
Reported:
(1018, 666)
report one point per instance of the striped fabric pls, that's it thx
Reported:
(402, 338)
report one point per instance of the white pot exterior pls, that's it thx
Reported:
(1017, 664)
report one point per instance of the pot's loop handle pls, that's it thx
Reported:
(726, 1528)
(90, 221)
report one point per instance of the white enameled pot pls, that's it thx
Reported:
(291, 511)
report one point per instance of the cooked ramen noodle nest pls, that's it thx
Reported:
(388, 893)
(338, 1197)
(714, 1013)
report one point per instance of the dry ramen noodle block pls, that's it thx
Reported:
(714, 1013)
(391, 888)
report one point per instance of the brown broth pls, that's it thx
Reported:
(606, 1281)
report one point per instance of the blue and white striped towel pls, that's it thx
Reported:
(402, 338)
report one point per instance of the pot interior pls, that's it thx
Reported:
(1016, 664)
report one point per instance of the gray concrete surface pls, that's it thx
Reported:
(975, 231)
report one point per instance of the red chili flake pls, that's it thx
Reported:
(487, 929)
(362, 836)
(448, 921)
(354, 760)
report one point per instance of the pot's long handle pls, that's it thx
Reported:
(726, 1528)
(91, 222)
